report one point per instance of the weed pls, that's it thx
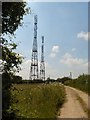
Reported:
(38, 100)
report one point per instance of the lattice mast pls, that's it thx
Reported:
(42, 64)
(34, 59)
(70, 76)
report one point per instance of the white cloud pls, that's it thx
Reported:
(67, 63)
(27, 62)
(25, 69)
(73, 49)
(52, 55)
(69, 60)
(51, 71)
(83, 35)
(78, 66)
(55, 50)
(31, 51)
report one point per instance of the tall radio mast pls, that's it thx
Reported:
(34, 59)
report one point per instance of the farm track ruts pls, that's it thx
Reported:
(72, 107)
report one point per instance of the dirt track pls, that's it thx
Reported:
(72, 107)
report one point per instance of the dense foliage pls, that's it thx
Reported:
(82, 83)
(10, 59)
(63, 80)
(37, 100)
(12, 16)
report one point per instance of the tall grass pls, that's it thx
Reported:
(37, 101)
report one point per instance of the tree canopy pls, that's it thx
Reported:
(12, 16)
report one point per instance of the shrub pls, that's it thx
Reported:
(37, 100)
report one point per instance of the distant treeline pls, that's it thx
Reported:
(82, 79)
(82, 83)
(19, 80)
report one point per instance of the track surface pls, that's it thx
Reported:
(72, 107)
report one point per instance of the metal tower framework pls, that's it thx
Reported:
(70, 76)
(34, 59)
(42, 64)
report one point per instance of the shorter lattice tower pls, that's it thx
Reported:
(42, 64)
(34, 59)
(70, 76)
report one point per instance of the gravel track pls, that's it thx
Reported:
(72, 107)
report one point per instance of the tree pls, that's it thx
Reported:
(59, 80)
(17, 79)
(12, 16)
(10, 59)
(64, 79)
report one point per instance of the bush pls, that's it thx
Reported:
(7, 80)
(82, 83)
(37, 100)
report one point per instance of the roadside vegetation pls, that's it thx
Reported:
(36, 100)
(81, 83)
(10, 60)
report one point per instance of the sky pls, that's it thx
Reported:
(64, 26)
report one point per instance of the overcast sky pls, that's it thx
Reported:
(65, 28)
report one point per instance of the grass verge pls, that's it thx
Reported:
(37, 100)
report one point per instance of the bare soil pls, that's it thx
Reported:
(72, 107)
